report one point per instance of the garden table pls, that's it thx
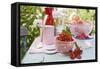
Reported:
(40, 57)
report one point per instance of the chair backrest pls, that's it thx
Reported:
(23, 31)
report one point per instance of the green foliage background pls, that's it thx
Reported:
(27, 16)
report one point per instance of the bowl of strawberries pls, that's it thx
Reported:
(64, 43)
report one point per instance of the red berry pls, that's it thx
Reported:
(78, 57)
(62, 35)
(65, 37)
(62, 39)
(77, 51)
(72, 55)
(81, 51)
(82, 36)
(58, 38)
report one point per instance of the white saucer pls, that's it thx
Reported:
(50, 49)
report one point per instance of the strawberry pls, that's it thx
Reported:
(60, 39)
(82, 36)
(78, 57)
(85, 36)
(78, 53)
(72, 55)
(65, 37)
(81, 51)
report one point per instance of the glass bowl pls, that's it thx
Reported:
(64, 46)
(85, 28)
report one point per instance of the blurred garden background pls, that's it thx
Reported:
(28, 15)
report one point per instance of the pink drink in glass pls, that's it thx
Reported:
(48, 34)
